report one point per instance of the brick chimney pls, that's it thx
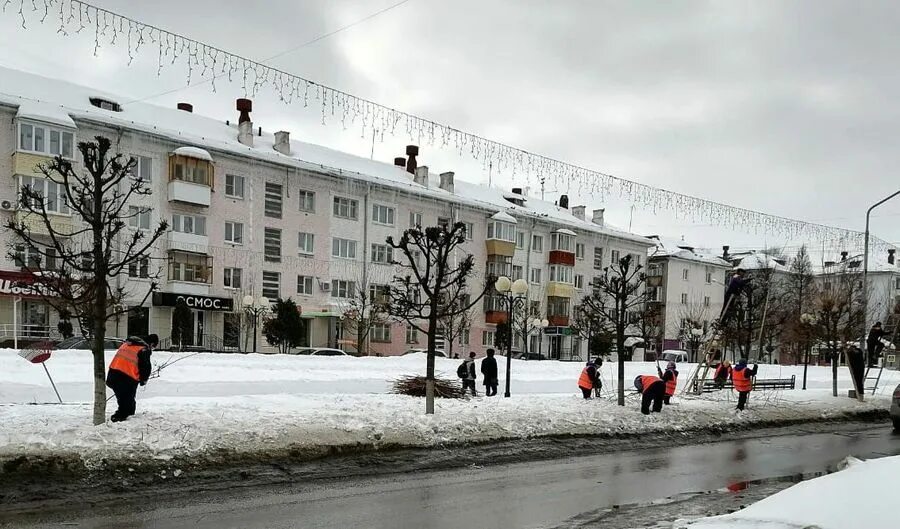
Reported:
(564, 201)
(411, 163)
(891, 252)
(597, 218)
(283, 142)
(447, 181)
(421, 174)
(245, 126)
(843, 256)
(579, 211)
(725, 252)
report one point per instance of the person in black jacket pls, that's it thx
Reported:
(489, 373)
(129, 368)
(874, 345)
(736, 285)
(466, 373)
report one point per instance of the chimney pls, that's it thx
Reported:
(843, 256)
(421, 174)
(244, 106)
(245, 133)
(891, 252)
(400, 162)
(517, 190)
(579, 211)
(187, 107)
(412, 151)
(725, 252)
(283, 142)
(564, 201)
(447, 181)
(598, 217)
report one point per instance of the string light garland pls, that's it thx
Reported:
(200, 59)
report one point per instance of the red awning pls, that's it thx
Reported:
(18, 283)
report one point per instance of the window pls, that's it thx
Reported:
(708, 276)
(53, 194)
(190, 170)
(470, 230)
(379, 294)
(28, 257)
(344, 248)
(415, 219)
(234, 232)
(537, 243)
(342, 289)
(46, 140)
(557, 306)
(345, 208)
(897, 283)
(190, 267)
(381, 333)
(234, 186)
(143, 169)
(487, 338)
(417, 257)
(685, 273)
(494, 303)
(271, 285)
(684, 299)
(498, 265)
(534, 308)
(444, 222)
(232, 278)
(382, 254)
(579, 251)
(517, 272)
(138, 269)
(579, 281)
(193, 224)
(635, 259)
(562, 242)
(305, 243)
(382, 215)
(561, 274)
(503, 231)
(614, 257)
(705, 301)
(305, 285)
(273, 200)
(272, 245)
(307, 201)
(139, 217)
(520, 240)
(536, 276)
(598, 258)
(412, 335)
(464, 336)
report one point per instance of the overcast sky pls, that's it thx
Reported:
(785, 107)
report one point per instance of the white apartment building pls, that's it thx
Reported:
(255, 213)
(686, 285)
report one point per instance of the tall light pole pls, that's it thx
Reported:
(540, 325)
(255, 308)
(513, 293)
(862, 339)
(697, 333)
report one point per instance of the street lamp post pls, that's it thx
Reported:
(862, 340)
(697, 333)
(540, 325)
(807, 320)
(514, 295)
(255, 308)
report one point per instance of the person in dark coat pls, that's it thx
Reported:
(735, 287)
(129, 368)
(874, 345)
(857, 363)
(467, 374)
(652, 389)
(489, 374)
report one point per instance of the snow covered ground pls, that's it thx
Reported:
(862, 495)
(267, 403)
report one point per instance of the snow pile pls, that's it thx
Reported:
(861, 495)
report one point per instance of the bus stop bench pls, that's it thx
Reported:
(758, 383)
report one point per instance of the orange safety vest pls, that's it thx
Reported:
(671, 384)
(584, 381)
(647, 381)
(126, 360)
(742, 380)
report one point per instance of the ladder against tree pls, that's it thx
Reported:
(700, 373)
(873, 374)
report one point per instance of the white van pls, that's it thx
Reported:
(674, 355)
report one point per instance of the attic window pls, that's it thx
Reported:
(106, 104)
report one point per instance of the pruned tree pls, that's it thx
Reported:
(182, 324)
(593, 327)
(617, 294)
(692, 315)
(283, 329)
(839, 311)
(78, 262)
(366, 307)
(431, 285)
(456, 323)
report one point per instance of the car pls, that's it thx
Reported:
(674, 355)
(895, 408)
(437, 352)
(80, 342)
(326, 351)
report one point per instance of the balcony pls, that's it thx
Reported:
(558, 320)
(188, 242)
(61, 224)
(562, 258)
(189, 193)
(560, 290)
(26, 163)
(189, 273)
(495, 316)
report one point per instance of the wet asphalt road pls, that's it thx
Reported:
(556, 493)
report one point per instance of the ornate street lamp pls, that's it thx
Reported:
(513, 294)
(255, 308)
(540, 325)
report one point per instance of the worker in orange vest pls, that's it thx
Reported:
(722, 374)
(590, 378)
(742, 377)
(652, 389)
(670, 377)
(129, 368)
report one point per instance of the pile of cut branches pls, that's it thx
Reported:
(414, 386)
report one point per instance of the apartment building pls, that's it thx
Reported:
(686, 287)
(257, 214)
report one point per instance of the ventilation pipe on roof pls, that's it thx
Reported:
(517, 190)
(245, 126)
(283, 142)
(891, 252)
(843, 256)
(725, 252)
(447, 181)
(187, 107)
(421, 175)
(245, 107)
(412, 151)
(597, 218)
(564, 201)
(579, 211)
(829, 264)
(400, 162)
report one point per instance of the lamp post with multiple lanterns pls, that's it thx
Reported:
(513, 294)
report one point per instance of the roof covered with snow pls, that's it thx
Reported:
(759, 261)
(194, 152)
(669, 247)
(57, 101)
(503, 217)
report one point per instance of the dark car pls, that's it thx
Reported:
(895, 408)
(80, 342)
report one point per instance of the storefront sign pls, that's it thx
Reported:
(18, 284)
(170, 299)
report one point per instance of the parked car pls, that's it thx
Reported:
(80, 342)
(321, 351)
(674, 355)
(437, 352)
(895, 408)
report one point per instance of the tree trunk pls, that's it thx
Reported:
(805, 366)
(834, 373)
(429, 369)
(620, 345)
(99, 329)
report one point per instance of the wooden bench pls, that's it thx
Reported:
(758, 383)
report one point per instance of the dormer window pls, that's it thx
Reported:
(45, 139)
(106, 104)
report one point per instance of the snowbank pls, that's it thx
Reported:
(861, 495)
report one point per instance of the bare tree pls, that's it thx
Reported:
(839, 313)
(79, 263)
(456, 323)
(692, 316)
(617, 294)
(799, 288)
(366, 307)
(431, 285)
